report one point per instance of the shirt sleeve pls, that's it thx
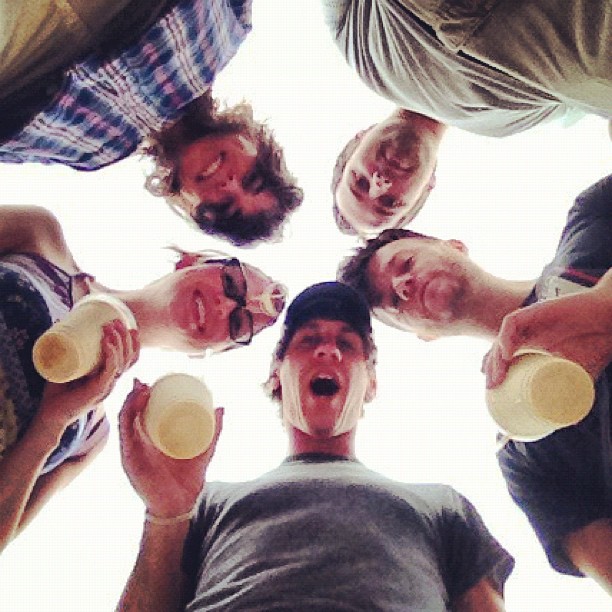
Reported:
(557, 493)
(588, 227)
(334, 13)
(469, 551)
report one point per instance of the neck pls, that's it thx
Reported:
(487, 303)
(146, 311)
(421, 122)
(339, 446)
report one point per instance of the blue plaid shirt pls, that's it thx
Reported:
(105, 108)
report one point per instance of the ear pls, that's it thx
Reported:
(457, 245)
(273, 384)
(432, 181)
(372, 386)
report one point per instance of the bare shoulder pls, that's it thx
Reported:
(34, 229)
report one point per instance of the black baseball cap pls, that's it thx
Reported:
(331, 300)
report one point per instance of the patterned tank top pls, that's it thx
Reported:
(34, 294)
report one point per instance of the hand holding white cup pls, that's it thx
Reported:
(540, 394)
(71, 348)
(179, 418)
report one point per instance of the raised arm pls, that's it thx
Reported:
(23, 491)
(577, 327)
(170, 489)
(34, 229)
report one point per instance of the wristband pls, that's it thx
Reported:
(172, 520)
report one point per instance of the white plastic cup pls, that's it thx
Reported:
(179, 418)
(540, 394)
(71, 348)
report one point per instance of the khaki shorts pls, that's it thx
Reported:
(40, 37)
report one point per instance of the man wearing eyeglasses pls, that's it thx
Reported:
(320, 532)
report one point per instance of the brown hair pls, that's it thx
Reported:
(353, 270)
(201, 118)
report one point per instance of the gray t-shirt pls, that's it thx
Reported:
(318, 534)
(399, 57)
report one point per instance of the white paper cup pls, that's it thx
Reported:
(179, 417)
(540, 394)
(71, 347)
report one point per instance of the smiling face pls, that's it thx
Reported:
(193, 312)
(325, 379)
(387, 177)
(421, 283)
(219, 179)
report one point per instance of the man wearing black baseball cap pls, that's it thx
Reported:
(320, 532)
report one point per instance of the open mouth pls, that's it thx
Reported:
(324, 386)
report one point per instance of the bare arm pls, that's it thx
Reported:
(157, 581)
(47, 485)
(36, 230)
(482, 597)
(590, 550)
(20, 469)
(169, 488)
(577, 327)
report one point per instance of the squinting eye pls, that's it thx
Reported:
(362, 183)
(253, 182)
(406, 265)
(346, 345)
(387, 201)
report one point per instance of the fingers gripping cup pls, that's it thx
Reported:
(71, 347)
(179, 417)
(541, 393)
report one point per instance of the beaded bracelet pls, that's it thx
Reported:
(172, 520)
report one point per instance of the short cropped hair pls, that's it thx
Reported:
(202, 118)
(353, 270)
(342, 222)
(273, 392)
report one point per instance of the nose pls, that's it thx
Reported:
(403, 286)
(379, 185)
(229, 182)
(224, 306)
(270, 302)
(328, 349)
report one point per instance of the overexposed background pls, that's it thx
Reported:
(506, 199)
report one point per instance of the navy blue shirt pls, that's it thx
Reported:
(564, 481)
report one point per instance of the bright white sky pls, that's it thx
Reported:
(506, 199)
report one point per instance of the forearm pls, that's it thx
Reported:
(483, 597)
(157, 581)
(19, 471)
(590, 551)
(46, 486)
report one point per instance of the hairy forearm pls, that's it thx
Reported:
(19, 471)
(157, 581)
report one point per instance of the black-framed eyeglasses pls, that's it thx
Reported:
(234, 286)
